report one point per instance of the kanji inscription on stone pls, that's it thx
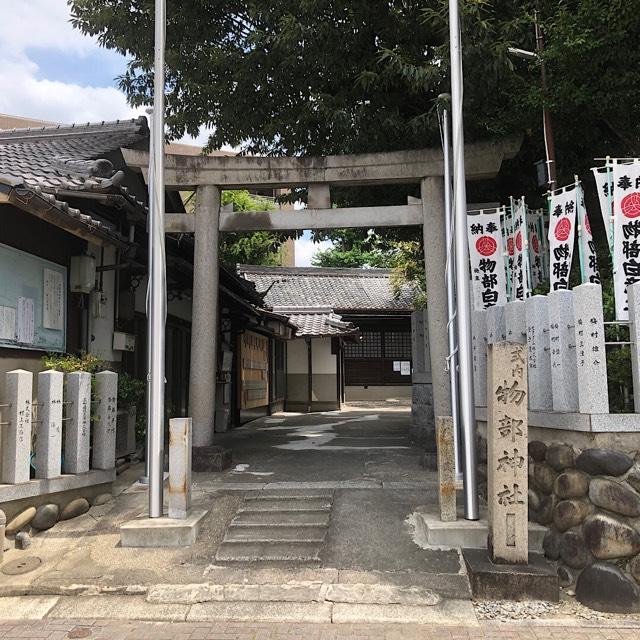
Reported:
(507, 460)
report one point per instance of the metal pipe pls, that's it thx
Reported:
(450, 275)
(157, 279)
(463, 297)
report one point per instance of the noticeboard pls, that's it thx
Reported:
(33, 302)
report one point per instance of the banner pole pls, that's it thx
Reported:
(579, 218)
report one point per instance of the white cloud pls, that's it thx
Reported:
(306, 249)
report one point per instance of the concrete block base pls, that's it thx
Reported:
(161, 532)
(214, 458)
(536, 580)
(470, 534)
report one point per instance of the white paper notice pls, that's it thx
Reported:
(405, 368)
(7, 323)
(53, 300)
(25, 321)
(396, 365)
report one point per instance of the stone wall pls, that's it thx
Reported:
(589, 499)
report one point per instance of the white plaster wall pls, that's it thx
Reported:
(297, 356)
(323, 361)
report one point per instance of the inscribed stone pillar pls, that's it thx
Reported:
(16, 436)
(564, 388)
(539, 358)
(179, 467)
(633, 292)
(204, 322)
(422, 418)
(515, 321)
(507, 442)
(479, 349)
(49, 439)
(104, 431)
(76, 440)
(446, 468)
(593, 396)
(496, 330)
(435, 258)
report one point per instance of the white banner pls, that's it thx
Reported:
(604, 185)
(562, 230)
(590, 272)
(507, 246)
(626, 235)
(487, 258)
(520, 271)
(536, 248)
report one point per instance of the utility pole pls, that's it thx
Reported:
(157, 300)
(463, 295)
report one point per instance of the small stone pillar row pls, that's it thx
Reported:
(204, 322)
(49, 426)
(104, 431)
(16, 435)
(435, 260)
(77, 434)
(179, 467)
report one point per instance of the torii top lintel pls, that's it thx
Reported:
(482, 160)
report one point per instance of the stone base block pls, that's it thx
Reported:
(537, 580)
(161, 532)
(214, 458)
(470, 534)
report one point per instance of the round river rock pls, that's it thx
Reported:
(74, 509)
(551, 544)
(608, 538)
(560, 457)
(46, 516)
(614, 496)
(571, 484)
(20, 521)
(544, 476)
(603, 462)
(570, 513)
(573, 549)
(604, 587)
(537, 450)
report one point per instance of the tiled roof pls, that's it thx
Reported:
(342, 290)
(320, 321)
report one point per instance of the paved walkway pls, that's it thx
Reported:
(105, 630)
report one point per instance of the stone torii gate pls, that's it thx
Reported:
(208, 175)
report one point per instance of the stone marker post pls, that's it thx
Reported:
(179, 467)
(104, 431)
(507, 441)
(562, 341)
(446, 468)
(515, 321)
(496, 330)
(3, 523)
(479, 351)
(49, 438)
(16, 435)
(634, 336)
(593, 396)
(76, 440)
(539, 358)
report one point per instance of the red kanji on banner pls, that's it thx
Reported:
(535, 244)
(519, 241)
(563, 229)
(587, 224)
(510, 246)
(630, 205)
(486, 246)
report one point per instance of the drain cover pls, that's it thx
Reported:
(16, 567)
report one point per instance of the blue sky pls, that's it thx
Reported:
(50, 71)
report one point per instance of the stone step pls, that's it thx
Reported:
(282, 519)
(268, 552)
(286, 505)
(275, 534)
(287, 494)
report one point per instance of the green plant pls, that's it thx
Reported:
(130, 390)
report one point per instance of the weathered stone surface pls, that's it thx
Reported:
(570, 513)
(571, 484)
(544, 476)
(101, 499)
(634, 568)
(74, 509)
(634, 479)
(23, 540)
(23, 519)
(537, 450)
(607, 537)
(545, 513)
(446, 468)
(534, 500)
(603, 462)
(551, 544)
(604, 587)
(573, 549)
(566, 576)
(614, 496)
(46, 516)
(560, 457)
(482, 449)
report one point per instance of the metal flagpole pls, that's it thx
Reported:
(465, 361)
(451, 293)
(157, 278)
